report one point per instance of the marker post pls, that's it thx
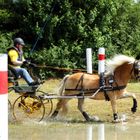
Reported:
(3, 98)
(101, 65)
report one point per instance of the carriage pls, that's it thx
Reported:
(35, 104)
(30, 103)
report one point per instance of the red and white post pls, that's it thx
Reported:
(3, 97)
(101, 62)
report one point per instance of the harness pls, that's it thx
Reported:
(103, 88)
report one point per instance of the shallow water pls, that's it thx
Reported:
(74, 131)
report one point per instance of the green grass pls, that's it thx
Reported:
(98, 108)
(134, 87)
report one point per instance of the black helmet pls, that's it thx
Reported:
(19, 41)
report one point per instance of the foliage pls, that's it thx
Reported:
(59, 31)
(5, 41)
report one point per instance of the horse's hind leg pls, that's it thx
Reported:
(80, 107)
(61, 103)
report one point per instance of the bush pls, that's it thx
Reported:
(5, 41)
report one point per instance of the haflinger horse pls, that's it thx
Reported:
(111, 86)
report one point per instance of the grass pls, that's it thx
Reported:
(102, 109)
(134, 87)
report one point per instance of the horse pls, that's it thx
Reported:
(110, 86)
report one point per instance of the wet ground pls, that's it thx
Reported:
(60, 130)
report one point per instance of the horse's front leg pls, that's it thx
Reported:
(133, 96)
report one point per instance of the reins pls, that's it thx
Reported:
(43, 28)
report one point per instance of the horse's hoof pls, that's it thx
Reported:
(133, 110)
(117, 121)
(94, 118)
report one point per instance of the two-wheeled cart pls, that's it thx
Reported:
(34, 104)
(28, 105)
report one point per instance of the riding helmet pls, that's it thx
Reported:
(19, 41)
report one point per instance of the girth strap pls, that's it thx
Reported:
(105, 89)
(119, 87)
(106, 95)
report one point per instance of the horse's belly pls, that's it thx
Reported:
(98, 96)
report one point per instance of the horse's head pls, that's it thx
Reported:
(137, 69)
(124, 67)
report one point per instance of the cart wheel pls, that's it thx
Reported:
(10, 89)
(27, 107)
(9, 110)
(47, 103)
(9, 105)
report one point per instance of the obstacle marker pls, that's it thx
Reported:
(3, 98)
(89, 60)
(101, 62)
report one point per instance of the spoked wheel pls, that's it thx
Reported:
(9, 110)
(47, 103)
(28, 108)
(9, 105)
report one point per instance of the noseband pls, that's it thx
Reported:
(136, 68)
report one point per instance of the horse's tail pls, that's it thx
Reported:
(61, 93)
(62, 85)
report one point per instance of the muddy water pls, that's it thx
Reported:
(74, 131)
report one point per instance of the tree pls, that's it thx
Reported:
(65, 28)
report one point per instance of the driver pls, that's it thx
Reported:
(16, 60)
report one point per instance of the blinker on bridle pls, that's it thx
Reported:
(136, 68)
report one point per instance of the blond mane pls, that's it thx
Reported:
(117, 60)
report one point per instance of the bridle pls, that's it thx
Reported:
(136, 68)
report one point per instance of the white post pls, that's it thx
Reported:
(101, 132)
(89, 133)
(89, 60)
(101, 62)
(3, 98)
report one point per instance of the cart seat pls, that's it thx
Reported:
(25, 89)
(12, 76)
